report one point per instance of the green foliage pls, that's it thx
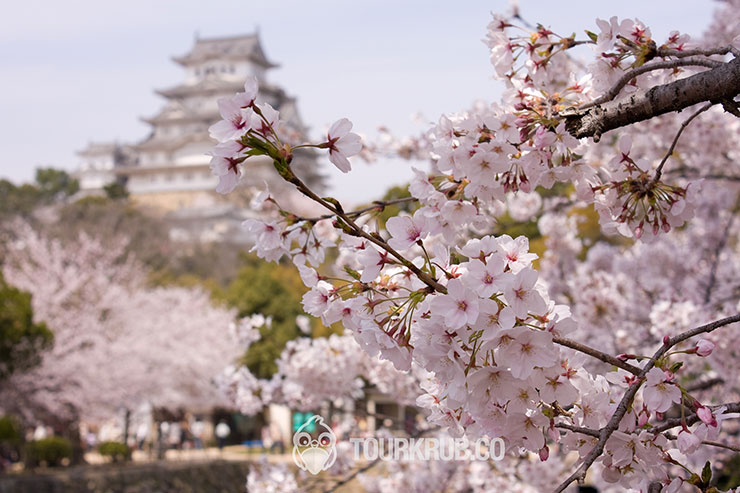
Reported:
(51, 185)
(11, 432)
(116, 190)
(728, 475)
(395, 193)
(50, 451)
(20, 200)
(117, 451)
(273, 290)
(21, 340)
(11, 439)
(55, 183)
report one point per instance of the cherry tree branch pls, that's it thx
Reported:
(613, 92)
(378, 205)
(661, 428)
(707, 384)
(595, 353)
(337, 210)
(715, 85)
(712, 443)
(579, 429)
(629, 395)
(692, 418)
(704, 329)
(724, 50)
(734, 448)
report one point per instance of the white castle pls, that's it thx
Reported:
(169, 169)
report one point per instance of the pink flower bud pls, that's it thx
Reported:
(642, 419)
(666, 340)
(544, 453)
(705, 414)
(704, 347)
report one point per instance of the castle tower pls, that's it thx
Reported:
(170, 168)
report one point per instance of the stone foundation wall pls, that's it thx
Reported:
(159, 477)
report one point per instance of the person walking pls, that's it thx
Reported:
(222, 433)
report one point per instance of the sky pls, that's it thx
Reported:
(85, 70)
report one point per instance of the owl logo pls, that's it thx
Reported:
(314, 455)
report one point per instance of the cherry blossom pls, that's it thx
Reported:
(342, 144)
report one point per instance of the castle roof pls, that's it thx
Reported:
(226, 48)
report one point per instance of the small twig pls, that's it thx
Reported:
(691, 419)
(649, 67)
(715, 262)
(707, 384)
(704, 329)
(595, 353)
(734, 448)
(579, 429)
(659, 171)
(377, 205)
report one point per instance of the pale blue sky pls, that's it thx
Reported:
(82, 70)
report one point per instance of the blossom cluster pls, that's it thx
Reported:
(435, 293)
(248, 128)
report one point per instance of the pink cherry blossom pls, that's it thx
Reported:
(342, 144)
(659, 394)
(458, 307)
(405, 231)
(236, 121)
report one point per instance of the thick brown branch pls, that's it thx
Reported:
(724, 50)
(715, 85)
(649, 67)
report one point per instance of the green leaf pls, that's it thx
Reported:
(593, 36)
(706, 473)
(352, 273)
